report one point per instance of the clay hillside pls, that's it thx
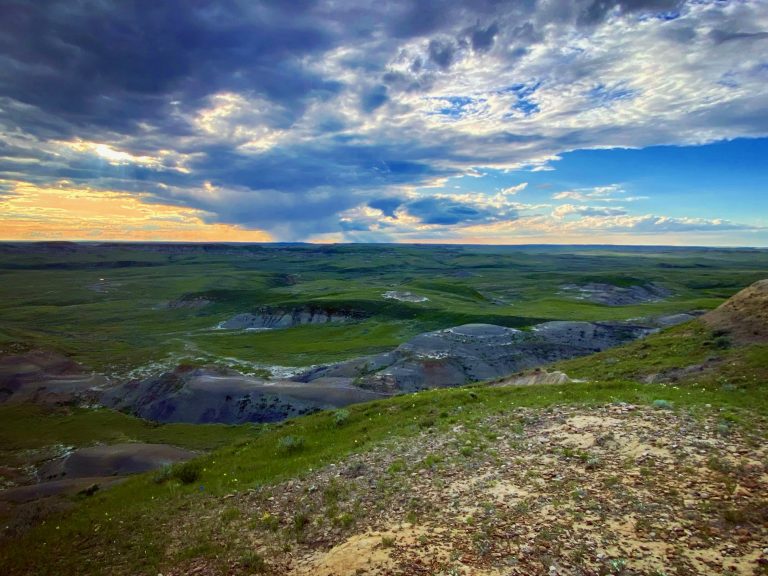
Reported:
(745, 316)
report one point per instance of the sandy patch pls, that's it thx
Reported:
(535, 378)
(630, 447)
(363, 552)
(371, 552)
(507, 492)
(404, 296)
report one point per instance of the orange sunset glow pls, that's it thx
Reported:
(67, 212)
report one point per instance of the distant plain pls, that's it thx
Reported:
(120, 308)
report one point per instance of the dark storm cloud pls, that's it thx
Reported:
(276, 210)
(436, 210)
(446, 211)
(296, 192)
(441, 52)
(721, 36)
(597, 10)
(114, 64)
(374, 98)
(352, 226)
(329, 163)
(483, 38)
(421, 18)
(440, 211)
(386, 205)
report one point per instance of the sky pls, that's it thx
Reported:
(482, 121)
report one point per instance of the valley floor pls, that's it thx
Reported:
(614, 489)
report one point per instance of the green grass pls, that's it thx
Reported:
(67, 545)
(676, 347)
(726, 367)
(47, 299)
(305, 345)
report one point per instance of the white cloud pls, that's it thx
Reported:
(610, 193)
(628, 82)
(572, 210)
(248, 123)
(512, 190)
(497, 219)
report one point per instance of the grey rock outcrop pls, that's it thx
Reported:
(612, 295)
(443, 358)
(201, 395)
(267, 318)
(473, 352)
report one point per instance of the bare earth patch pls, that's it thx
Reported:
(616, 489)
(745, 316)
(404, 296)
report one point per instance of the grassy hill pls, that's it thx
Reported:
(222, 518)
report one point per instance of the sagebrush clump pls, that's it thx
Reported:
(341, 417)
(290, 444)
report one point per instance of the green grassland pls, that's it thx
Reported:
(107, 306)
(54, 297)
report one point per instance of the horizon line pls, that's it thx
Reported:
(307, 243)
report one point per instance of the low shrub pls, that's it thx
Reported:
(254, 562)
(345, 520)
(340, 417)
(300, 521)
(721, 343)
(187, 473)
(290, 444)
(163, 474)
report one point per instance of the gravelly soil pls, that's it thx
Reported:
(567, 491)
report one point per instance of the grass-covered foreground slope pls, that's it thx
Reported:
(478, 480)
(690, 356)
(117, 308)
